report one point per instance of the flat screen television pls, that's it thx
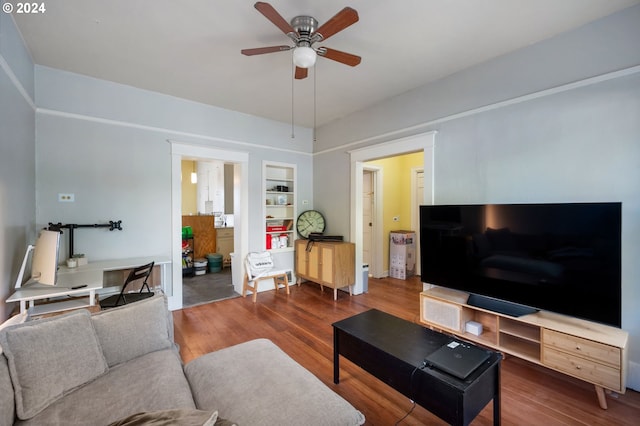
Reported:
(519, 258)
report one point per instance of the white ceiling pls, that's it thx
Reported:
(191, 48)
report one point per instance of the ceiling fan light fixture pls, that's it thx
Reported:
(304, 57)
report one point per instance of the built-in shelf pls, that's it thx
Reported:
(279, 205)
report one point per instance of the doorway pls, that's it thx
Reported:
(419, 143)
(180, 150)
(207, 209)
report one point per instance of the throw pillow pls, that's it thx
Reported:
(48, 358)
(135, 329)
(182, 417)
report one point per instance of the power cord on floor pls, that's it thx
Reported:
(413, 402)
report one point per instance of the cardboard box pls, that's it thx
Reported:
(402, 254)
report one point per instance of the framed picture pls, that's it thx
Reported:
(282, 200)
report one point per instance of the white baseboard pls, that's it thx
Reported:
(633, 376)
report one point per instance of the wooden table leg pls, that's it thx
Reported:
(496, 398)
(336, 358)
(602, 399)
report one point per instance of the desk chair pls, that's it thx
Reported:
(140, 273)
(259, 266)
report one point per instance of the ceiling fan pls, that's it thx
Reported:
(304, 32)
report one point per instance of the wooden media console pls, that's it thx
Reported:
(592, 352)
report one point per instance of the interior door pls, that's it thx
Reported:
(367, 216)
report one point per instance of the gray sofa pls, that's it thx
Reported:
(121, 366)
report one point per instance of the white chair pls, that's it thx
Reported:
(259, 266)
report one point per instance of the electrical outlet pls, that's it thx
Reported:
(305, 202)
(66, 198)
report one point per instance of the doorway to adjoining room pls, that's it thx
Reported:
(392, 191)
(207, 231)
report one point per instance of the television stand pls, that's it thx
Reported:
(589, 351)
(499, 306)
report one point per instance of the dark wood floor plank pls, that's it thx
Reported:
(300, 324)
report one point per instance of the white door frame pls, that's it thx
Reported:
(424, 142)
(415, 216)
(241, 215)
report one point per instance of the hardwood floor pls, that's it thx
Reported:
(301, 325)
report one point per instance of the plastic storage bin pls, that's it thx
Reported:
(200, 266)
(215, 262)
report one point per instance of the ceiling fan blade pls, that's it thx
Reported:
(262, 50)
(301, 73)
(271, 14)
(339, 22)
(342, 57)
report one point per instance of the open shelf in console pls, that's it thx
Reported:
(489, 324)
(520, 338)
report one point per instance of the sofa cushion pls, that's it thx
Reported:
(132, 330)
(285, 392)
(7, 400)
(152, 382)
(49, 357)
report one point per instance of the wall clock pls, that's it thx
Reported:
(310, 221)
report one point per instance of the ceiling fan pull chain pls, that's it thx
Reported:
(315, 70)
(293, 135)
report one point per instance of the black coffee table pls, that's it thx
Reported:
(391, 348)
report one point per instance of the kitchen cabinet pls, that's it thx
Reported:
(205, 232)
(224, 244)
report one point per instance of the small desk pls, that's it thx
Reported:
(391, 348)
(92, 275)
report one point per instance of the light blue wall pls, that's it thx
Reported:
(17, 156)
(107, 144)
(506, 134)
(604, 46)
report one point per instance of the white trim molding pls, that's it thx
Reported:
(18, 85)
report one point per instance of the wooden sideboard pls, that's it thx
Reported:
(328, 263)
